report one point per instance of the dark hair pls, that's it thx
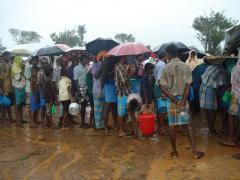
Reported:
(63, 72)
(161, 54)
(148, 66)
(193, 53)
(48, 71)
(35, 58)
(35, 68)
(83, 57)
(133, 105)
(171, 49)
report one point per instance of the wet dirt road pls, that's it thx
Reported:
(79, 154)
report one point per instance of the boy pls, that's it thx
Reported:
(65, 96)
(49, 96)
(147, 85)
(35, 96)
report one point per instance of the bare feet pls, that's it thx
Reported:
(174, 155)
(198, 155)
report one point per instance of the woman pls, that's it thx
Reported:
(110, 92)
(192, 60)
(19, 84)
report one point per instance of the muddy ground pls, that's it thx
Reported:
(77, 154)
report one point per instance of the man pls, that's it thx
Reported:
(175, 83)
(214, 77)
(234, 109)
(6, 84)
(157, 73)
(79, 73)
(123, 91)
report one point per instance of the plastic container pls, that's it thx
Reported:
(147, 124)
(5, 101)
(162, 105)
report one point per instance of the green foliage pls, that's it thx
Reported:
(24, 37)
(124, 38)
(211, 30)
(71, 37)
(2, 48)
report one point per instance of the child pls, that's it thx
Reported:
(65, 96)
(50, 96)
(35, 96)
(147, 85)
(134, 105)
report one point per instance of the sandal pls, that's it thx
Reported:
(198, 155)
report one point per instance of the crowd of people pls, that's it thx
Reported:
(124, 86)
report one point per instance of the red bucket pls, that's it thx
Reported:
(147, 123)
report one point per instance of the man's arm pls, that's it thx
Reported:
(167, 93)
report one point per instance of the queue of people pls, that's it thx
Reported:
(123, 86)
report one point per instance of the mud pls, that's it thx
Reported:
(78, 154)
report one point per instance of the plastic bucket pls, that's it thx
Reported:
(162, 105)
(147, 123)
(5, 101)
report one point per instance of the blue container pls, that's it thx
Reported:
(5, 101)
(162, 105)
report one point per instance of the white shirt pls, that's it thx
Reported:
(63, 85)
(158, 70)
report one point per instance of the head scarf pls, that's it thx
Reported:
(192, 62)
(101, 54)
(17, 66)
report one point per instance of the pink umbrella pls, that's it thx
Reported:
(128, 49)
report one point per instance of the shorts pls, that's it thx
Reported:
(66, 105)
(234, 107)
(122, 105)
(34, 103)
(208, 97)
(110, 93)
(49, 109)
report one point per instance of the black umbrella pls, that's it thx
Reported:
(100, 44)
(56, 49)
(200, 54)
(179, 45)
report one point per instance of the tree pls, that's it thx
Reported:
(71, 37)
(211, 30)
(124, 38)
(24, 37)
(2, 48)
(81, 32)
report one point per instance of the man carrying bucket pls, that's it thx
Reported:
(175, 83)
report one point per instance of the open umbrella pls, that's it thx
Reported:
(128, 49)
(56, 49)
(21, 52)
(100, 44)
(200, 54)
(179, 45)
(232, 40)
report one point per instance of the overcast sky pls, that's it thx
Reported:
(152, 22)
